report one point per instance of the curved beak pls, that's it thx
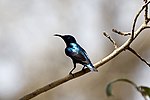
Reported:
(58, 35)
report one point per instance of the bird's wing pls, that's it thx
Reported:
(80, 56)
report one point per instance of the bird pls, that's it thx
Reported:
(76, 53)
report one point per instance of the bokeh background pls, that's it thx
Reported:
(31, 57)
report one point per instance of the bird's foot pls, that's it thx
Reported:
(71, 74)
(83, 69)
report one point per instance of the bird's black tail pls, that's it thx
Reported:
(94, 69)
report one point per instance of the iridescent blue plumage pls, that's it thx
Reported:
(76, 52)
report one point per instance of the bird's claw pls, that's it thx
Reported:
(83, 69)
(71, 74)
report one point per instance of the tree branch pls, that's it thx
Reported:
(136, 17)
(54, 84)
(134, 52)
(114, 43)
(121, 33)
(98, 64)
(146, 12)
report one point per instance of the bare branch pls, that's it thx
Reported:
(141, 28)
(146, 27)
(134, 52)
(135, 20)
(146, 12)
(54, 84)
(121, 33)
(114, 43)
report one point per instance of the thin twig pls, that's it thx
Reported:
(114, 43)
(121, 33)
(146, 27)
(135, 20)
(146, 12)
(134, 52)
(141, 28)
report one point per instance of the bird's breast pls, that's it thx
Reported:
(73, 48)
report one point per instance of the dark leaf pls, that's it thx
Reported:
(109, 90)
(145, 91)
(109, 86)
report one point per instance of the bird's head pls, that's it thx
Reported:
(67, 38)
